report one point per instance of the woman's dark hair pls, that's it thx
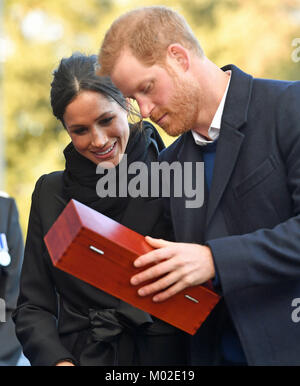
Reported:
(76, 74)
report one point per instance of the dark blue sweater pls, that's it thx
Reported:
(230, 344)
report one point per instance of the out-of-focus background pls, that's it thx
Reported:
(262, 37)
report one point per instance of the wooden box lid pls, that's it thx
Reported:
(100, 251)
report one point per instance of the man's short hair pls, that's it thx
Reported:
(147, 32)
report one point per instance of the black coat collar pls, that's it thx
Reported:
(229, 144)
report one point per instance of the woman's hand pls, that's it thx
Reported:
(177, 266)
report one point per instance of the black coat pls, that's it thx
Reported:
(61, 317)
(251, 219)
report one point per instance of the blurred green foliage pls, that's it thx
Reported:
(255, 35)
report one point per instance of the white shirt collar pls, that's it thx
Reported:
(215, 126)
(4, 194)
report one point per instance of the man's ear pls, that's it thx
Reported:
(176, 52)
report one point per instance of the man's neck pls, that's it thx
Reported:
(212, 86)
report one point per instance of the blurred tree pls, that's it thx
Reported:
(257, 36)
(42, 33)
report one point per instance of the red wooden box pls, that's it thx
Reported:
(100, 251)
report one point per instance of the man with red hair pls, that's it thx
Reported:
(246, 235)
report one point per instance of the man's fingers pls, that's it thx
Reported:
(159, 254)
(169, 292)
(152, 257)
(154, 271)
(164, 282)
(173, 267)
(157, 243)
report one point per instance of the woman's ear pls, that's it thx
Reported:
(132, 108)
(180, 55)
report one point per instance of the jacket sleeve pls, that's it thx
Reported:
(37, 310)
(268, 256)
(10, 348)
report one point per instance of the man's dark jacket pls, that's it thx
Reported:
(251, 219)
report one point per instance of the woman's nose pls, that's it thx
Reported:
(98, 137)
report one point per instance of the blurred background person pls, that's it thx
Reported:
(11, 257)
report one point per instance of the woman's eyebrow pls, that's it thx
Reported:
(101, 116)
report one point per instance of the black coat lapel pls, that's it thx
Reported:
(230, 139)
(190, 224)
(228, 149)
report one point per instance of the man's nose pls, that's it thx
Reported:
(145, 107)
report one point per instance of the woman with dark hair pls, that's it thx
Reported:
(61, 320)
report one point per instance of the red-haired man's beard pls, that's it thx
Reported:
(181, 114)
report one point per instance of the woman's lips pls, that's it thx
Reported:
(106, 153)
